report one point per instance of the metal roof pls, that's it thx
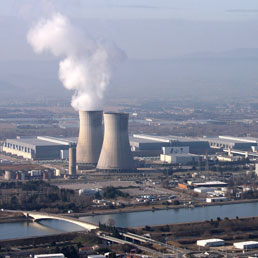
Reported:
(169, 138)
(34, 141)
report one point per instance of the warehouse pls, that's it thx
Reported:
(216, 199)
(146, 147)
(37, 148)
(186, 158)
(228, 142)
(204, 190)
(211, 242)
(60, 255)
(196, 145)
(246, 245)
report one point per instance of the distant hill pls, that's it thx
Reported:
(246, 53)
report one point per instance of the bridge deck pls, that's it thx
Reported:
(40, 216)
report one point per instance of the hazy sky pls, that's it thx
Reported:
(153, 29)
(135, 9)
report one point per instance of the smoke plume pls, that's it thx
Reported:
(86, 63)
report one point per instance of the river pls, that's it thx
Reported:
(23, 229)
(172, 216)
(131, 219)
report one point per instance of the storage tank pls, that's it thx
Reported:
(90, 137)
(116, 153)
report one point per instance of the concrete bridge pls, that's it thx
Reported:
(36, 216)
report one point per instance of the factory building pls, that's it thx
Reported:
(196, 145)
(211, 242)
(147, 148)
(178, 155)
(204, 190)
(229, 142)
(185, 158)
(37, 148)
(246, 245)
(216, 199)
(59, 255)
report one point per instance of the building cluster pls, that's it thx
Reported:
(246, 245)
(186, 150)
(215, 191)
(108, 151)
(154, 198)
(111, 149)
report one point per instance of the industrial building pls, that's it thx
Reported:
(142, 143)
(147, 147)
(216, 199)
(187, 158)
(229, 142)
(36, 148)
(196, 145)
(59, 255)
(211, 242)
(246, 245)
(178, 155)
(204, 190)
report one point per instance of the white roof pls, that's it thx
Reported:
(212, 240)
(96, 256)
(210, 183)
(59, 255)
(247, 243)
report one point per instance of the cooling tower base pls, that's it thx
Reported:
(117, 170)
(83, 166)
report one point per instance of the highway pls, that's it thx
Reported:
(170, 250)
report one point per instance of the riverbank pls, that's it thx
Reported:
(139, 208)
(9, 217)
(185, 235)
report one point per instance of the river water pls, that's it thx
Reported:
(131, 219)
(29, 229)
(180, 215)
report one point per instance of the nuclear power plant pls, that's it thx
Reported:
(90, 151)
(116, 154)
(90, 137)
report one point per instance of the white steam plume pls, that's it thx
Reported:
(87, 64)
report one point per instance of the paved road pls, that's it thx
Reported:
(171, 250)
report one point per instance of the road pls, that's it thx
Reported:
(170, 250)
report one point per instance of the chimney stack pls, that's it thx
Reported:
(72, 159)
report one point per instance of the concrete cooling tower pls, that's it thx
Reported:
(90, 137)
(116, 154)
